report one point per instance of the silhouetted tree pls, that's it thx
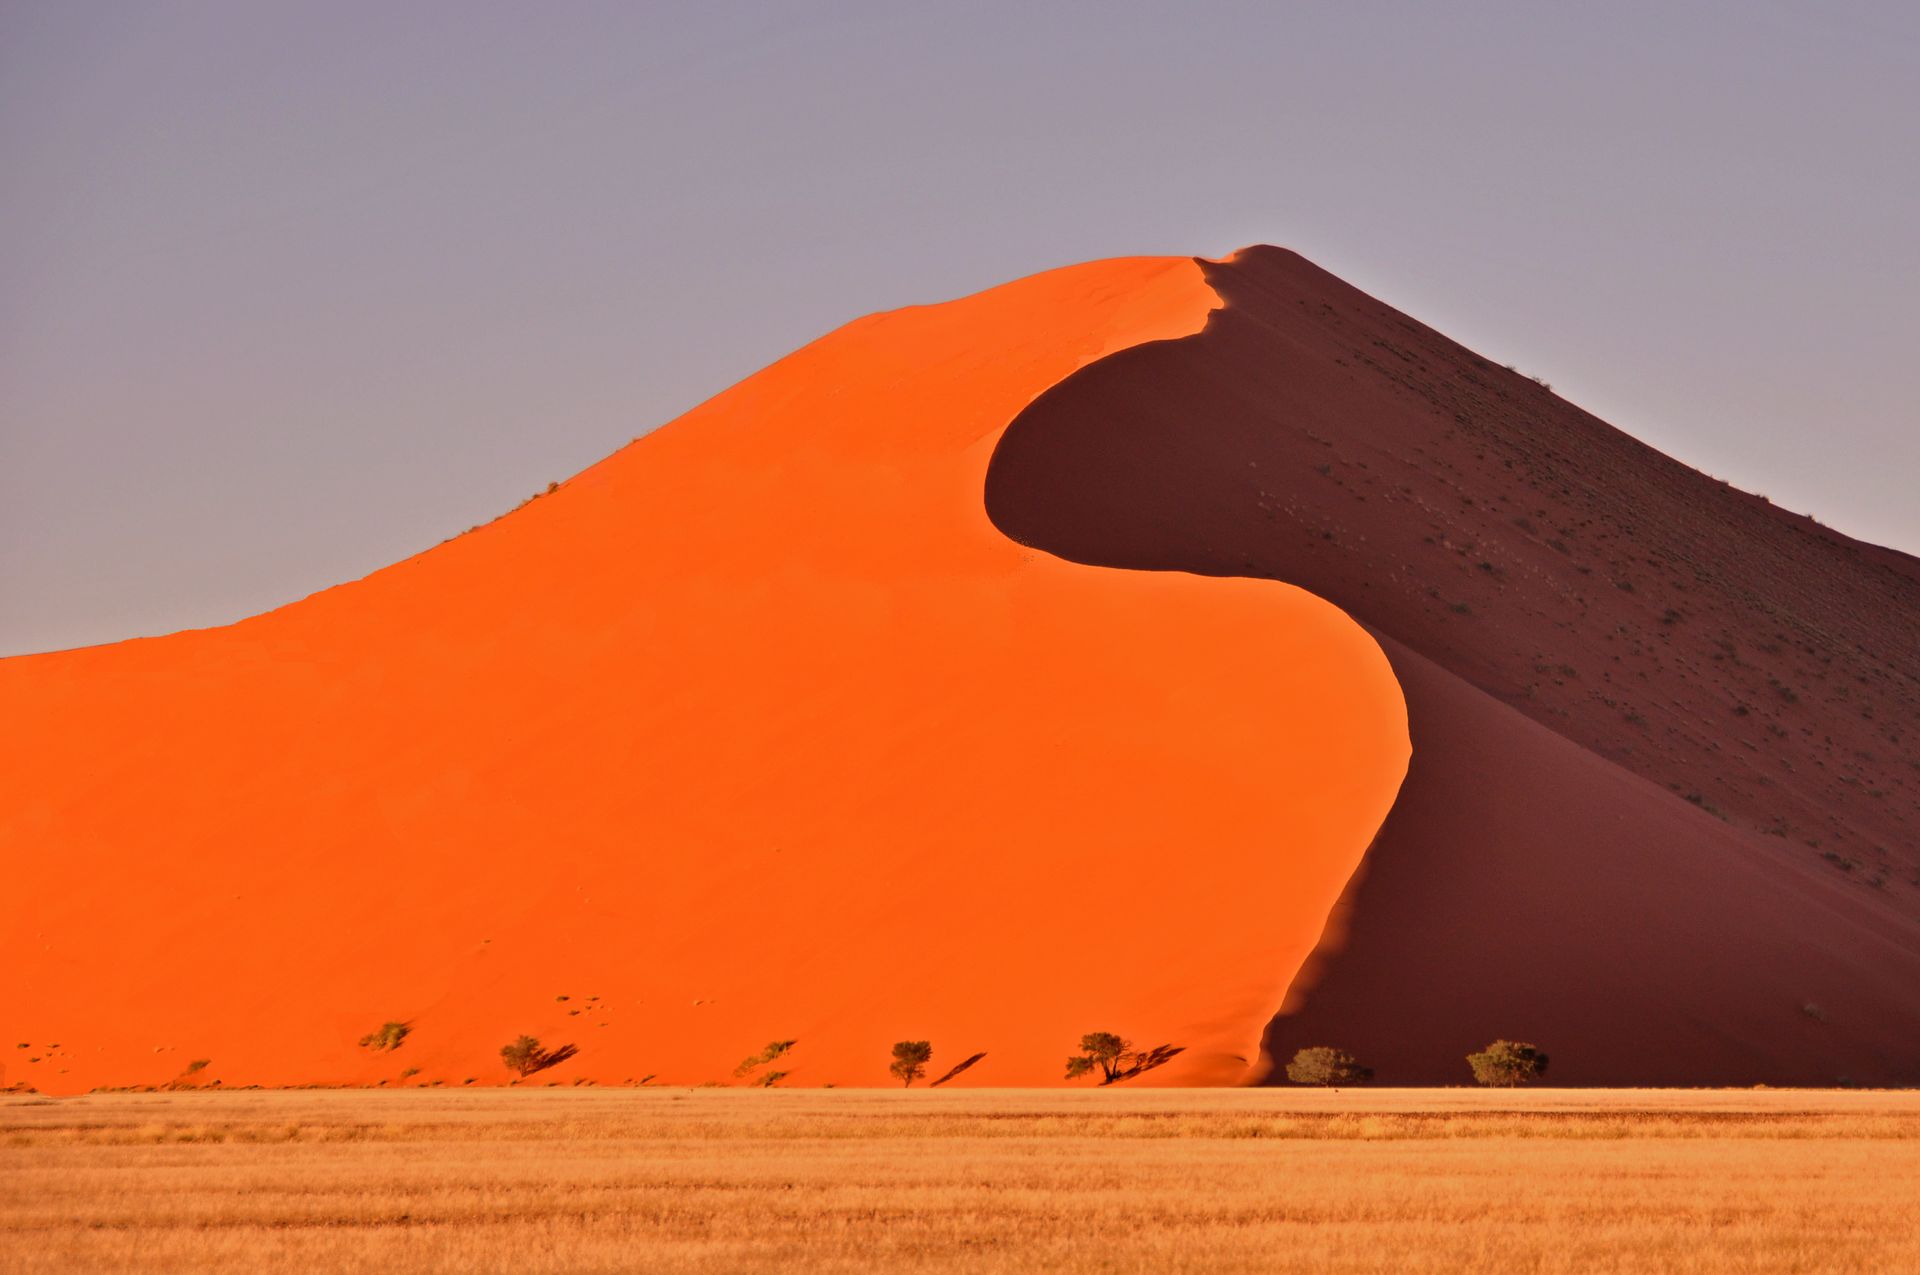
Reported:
(910, 1059)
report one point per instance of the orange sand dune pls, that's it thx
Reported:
(757, 730)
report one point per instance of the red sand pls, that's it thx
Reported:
(757, 730)
(1661, 813)
(1525, 887)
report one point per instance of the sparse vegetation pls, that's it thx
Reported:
(1115, 1058)
(910, 1058)
(526, 1056)
(1325, 1066)
(388, 1036)
(1507, 1063)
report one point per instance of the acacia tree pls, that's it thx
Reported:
(910, 1058)
(1115, 1058)
(1099, 1049)
(1322, 1065)
(1506, 1063)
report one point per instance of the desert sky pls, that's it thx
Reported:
(288, 293)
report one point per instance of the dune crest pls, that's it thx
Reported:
(758, 731)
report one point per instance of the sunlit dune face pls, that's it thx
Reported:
(757, 731)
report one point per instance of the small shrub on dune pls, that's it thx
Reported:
(1507, 1063)
(1321, 1065)
(521, 1054)
(910, 1058)
(525, 1056)
(389, 1036)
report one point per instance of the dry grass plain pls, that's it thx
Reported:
(972, 1181)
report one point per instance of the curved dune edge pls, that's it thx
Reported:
(757, 730)
(1643, 704)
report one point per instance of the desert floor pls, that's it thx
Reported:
(589, 1179)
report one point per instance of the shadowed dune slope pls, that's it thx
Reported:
(1660, 814)
(757, 731)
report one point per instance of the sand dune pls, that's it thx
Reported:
(989, 673)
(757, 731)
(1661, 811)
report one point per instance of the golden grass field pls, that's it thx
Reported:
(968, 1180)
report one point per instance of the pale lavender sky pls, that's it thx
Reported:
(290, 291)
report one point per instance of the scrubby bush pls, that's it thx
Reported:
(526, 1056)
(1506, 1063)
(1321, 1065)
(389, 1036)
(910, 1058)
(522, 1055)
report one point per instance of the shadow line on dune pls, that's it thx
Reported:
(1525, 882)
